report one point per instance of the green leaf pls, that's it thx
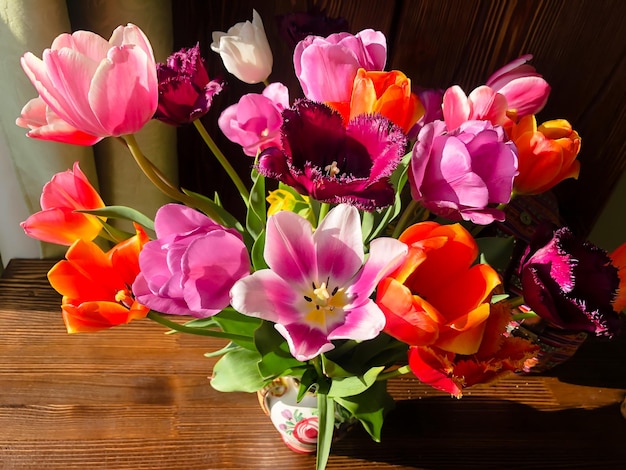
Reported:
(332, 369)
(275, 358)
(256, 254)
(231, 321)
(257, 212)
(227, 218)
(376, 223)
(237, 371)
(354, 385)
(358, 359)
(220, 352)
(370, 407)
(113, 234)
(122, 212)
(307, 380)
(326, 417)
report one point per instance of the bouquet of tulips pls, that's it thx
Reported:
(369, 259)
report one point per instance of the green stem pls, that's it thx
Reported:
(324, 208)
(158, 318)
(162, 184)
(404, 218)
(208, 140)
(394, 373)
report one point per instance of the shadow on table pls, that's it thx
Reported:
(477, 433)
(598, 363)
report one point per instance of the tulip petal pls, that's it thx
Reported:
(289, 248)
(124, 101)
(339, 245)
(304, 342)
(211, 264)
(266, 295)
(361, 323)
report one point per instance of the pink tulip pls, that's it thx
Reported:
(326, 67)
(45, 124)
(482, 104)
(99, 87)
(254, 122)
(463, 173)
(525, 90)
(191, 266)
(59, 222)
(318, 285)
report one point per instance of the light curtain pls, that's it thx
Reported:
(27, 164)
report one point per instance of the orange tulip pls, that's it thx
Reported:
(546, 154)
(59, 222)
(96, 286)
(618, 257)
(437, 297)
(387, 93)
(497, 355)
(439, 303)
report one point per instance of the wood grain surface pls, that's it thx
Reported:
(135, 398)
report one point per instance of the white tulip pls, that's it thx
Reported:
(245, 51)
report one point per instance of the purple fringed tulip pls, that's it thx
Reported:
(191, 266)
(326, 67)
(463, 173)
(525, 90)
(571, 284)
(331, 163)
(317, 288)
(254, 122)
(185, 90)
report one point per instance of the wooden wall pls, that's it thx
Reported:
(578, 45)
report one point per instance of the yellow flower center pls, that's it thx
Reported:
(325, 306)
(124, 297)
(332, 169)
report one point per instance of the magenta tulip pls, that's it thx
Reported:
(254, 122)
(463, 173)
(101, 88)
(191, 266)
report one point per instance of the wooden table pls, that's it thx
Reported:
(135, 398)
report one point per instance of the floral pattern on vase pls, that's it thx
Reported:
(297, 422)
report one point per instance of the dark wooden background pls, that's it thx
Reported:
(578, 45)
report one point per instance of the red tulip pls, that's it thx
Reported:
(61, 198)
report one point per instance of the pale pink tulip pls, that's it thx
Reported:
(45, 124)
(482, 104)
(99, 87)
(525, 90)
(58, 221)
